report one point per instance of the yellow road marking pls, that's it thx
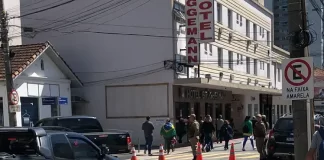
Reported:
(248, 157)
(211, 154)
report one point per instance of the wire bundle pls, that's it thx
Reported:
(303, 38)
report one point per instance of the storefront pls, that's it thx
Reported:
(202, 101)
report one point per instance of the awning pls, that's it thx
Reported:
(234, 87)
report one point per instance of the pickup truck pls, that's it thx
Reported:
(37, 144)
(90, 127)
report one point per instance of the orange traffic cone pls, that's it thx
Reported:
(198, 153)
(232, 153)
(133, 153)
(161, 153)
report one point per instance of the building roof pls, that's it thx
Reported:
(318, 74)
(24, 55)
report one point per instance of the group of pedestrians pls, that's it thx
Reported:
(256, 129)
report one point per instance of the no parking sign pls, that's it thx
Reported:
(298, 79)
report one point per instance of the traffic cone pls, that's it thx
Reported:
(133, 154)
(232, 153)
(161, 153)
(198, 153)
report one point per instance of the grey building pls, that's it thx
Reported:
(280, 10)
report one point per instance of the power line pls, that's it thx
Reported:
(42, 10)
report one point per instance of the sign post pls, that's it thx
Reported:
(298, 79)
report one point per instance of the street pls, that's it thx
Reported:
(184, 153)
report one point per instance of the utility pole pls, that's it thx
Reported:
(297, 23)
(5, 50)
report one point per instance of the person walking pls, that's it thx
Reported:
(317, 146)
(247, 131)
(202, 136)
(208, 129)
(193, 134)
(148, 128)
(219, 124)
(181, 129)
(259, 133)
(168, 132)
(227, 133)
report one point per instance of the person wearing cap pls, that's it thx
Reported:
(148, 128)
(316, 141)
(259, 133)
(193, 134)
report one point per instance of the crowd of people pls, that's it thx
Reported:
(206, 132)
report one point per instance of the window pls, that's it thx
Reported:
(261, 65)
(220, 57)
(255, 63)
(285, 109)
(250, 110)
(241, 21)
(230, 19)
(281, 110)
(284, 124)
(279, 74)
(219, 13)
(61, 146)
(205, 48)
(247, 28)
(248, 65)
(256, 109)
(42, 64)
(81, 125)
(290, 109)
(268, 70)
(268, 38)
(230, 60)
(255, 32)
(237, 59)
(82, 149)
(210, 49)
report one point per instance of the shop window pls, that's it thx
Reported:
(228, 111)
(219, 110)
(250, 110)
(285, 109)
(290, 109)
(182, 109)
(281, 110)
(197, 111)
(256, 109)
(208, 109)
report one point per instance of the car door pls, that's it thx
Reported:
(61, 147)
(84, 149)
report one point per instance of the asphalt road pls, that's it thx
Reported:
(218, 153)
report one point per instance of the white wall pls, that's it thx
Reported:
(3, 94)
(13, 9)
(34, 82)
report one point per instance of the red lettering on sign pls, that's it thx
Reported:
(206, 14)
(205, 5)
(192, 31)
(191, 21)
(193, 59)
(193, 49)
(203, 36)
(192, 40)
(192, 12)
(191, 3)
(205, 25)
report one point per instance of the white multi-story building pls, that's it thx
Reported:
(13, 9)
(130, 59)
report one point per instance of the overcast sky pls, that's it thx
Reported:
(268, 4)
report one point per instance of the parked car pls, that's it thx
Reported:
(37, 143)
(280, 141)
(116, 141)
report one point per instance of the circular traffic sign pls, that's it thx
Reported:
(14, 97)
(303, 77)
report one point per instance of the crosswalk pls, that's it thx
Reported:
(215, 155)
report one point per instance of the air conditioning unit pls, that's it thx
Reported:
(221, 74)
(249, 80)
(220, 30)
(249, 42)
(270, 84)
(269, 52)
(232, 77)
(208, 76)
(256, 81)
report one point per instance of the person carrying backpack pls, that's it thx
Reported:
(227, 133)
(247, 132)
(317, 146)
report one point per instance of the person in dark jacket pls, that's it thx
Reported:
(202, 136)
(208, 129)
(227, 133)
(181, 129)
(148, 128)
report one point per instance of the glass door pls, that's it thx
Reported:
(182, 110)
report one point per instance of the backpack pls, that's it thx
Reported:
(321, 146)
(246, 129)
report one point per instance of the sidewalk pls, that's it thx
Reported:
(187, 149)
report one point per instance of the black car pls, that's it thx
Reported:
(90, 127)
(281, 139)
(38, 143)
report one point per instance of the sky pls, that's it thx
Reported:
(268, 4)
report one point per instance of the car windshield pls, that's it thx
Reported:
(20, 143)
(81, 125)
(284, 124)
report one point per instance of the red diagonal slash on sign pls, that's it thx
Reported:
(305, 78)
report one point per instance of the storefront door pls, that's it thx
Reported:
(182, 109)
(208, 109)
(228, 111)
(219, 110)
(29, 111)
(197, 111)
